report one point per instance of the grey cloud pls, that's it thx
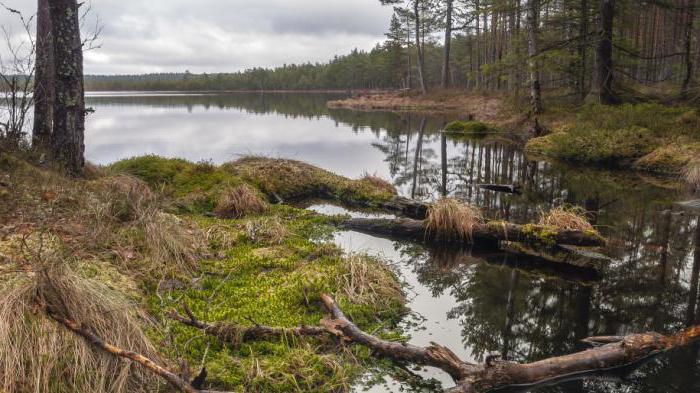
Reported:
(225, 35)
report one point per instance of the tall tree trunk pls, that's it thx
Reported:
(603, 89)
(69, 108)
(448, 46)
(583, 48)
(533, 11)
(419, 47)
(43, 79)
(689, 23)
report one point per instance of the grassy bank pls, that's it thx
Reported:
(118, 251)
(648, 137)
(490, 109)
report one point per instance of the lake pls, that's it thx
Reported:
(474, 302)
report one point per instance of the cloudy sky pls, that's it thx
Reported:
(141, 36)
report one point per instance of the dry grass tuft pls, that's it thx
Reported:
(39, 355)
(238, 202)
(450, 219)
(127, 196)
(566, 218)
(171, 243)
(691, 174)
(369, 282)
(269, 230)
(378, 183)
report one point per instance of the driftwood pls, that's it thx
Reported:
(608, 353)
(482, 234)
(612, 352)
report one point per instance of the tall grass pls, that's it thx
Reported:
(38, 355)
(566, 218)
(238, 202)
(449, 219)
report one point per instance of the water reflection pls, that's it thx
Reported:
(475, 303)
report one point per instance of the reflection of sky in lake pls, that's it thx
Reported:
(116, 132)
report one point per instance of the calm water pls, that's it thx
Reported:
(475, 303)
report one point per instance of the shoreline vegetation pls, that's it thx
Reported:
(646, 137)
(147, 237)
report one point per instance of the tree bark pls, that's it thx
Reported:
(602, 92)
(533, 11)
(67, 140)
(688, 43)
(484, 234)
(447, 46)
(583, 48)
(43, 79)
(419, 47)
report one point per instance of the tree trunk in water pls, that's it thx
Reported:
(690, 19)
(448, 46)
(69, 108)
(533, 11)
(419, 48)
(443, 164)
(603, 89)
(43, 79)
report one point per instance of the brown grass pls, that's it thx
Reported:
(691, 174)
(38, 355)
(127, 196)
(269, 230)
(238, 202)
(378, 183)
(566, 218)
(450, 219)
(369, 282)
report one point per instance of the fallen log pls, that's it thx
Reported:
(482, 234)
(612, 352)
(410, 208)
(235, 334)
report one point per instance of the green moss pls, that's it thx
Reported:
(540, 234)
(195, 187)
(474, 129)
(279, 288)
(622, 135)
(295, 180)
(596, 146)
(669, 159)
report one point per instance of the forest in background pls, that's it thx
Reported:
(486, 45)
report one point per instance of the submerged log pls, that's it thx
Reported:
(507, 188)
(482, 234)
(612, 352)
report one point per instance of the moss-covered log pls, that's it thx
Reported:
(488, 234)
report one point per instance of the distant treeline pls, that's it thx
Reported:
(357, 70)
(571, 47)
